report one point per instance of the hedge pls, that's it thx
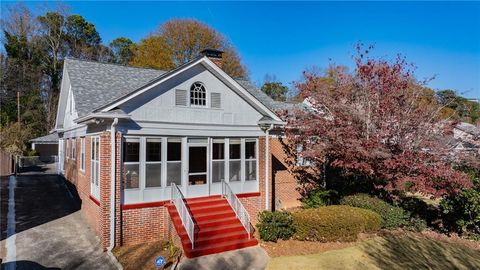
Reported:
(334, 223)
(392, 216)
(275, 225)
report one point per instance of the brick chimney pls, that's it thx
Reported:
(214, 55)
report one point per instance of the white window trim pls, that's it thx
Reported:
(74, 148)
(154, 162)
(82, 154)
(252, 159)
(140, 162)
(95, 189)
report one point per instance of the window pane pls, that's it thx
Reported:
(153, 173)
(234, 150)
(218, 171)
(154, 151)
(131, 152)
(251, 170)
(97, 173)
(218, 151)
(174, 151)
(174, 173)
(131, 175)
(250, 149)
(235, 170)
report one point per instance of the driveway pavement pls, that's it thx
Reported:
(42, 227)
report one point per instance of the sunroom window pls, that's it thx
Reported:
(218, 160)
(235, 160)
(153, 162)
(250, 160)
(174, 161)
(131, 163)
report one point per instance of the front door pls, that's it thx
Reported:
(198, 183)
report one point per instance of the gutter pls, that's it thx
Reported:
(113, 163)
(267, 157)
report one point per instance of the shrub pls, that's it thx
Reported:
(417, 224)
(275, 225)
(392, 216)
(319, 197)
(461, 212)
(334, 223)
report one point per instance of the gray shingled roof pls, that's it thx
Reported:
(50, 138)
(468, 128)
(95, 84)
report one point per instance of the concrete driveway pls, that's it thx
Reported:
(42, 227)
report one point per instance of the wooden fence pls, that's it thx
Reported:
(6, 164)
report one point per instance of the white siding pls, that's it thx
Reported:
(158, 104)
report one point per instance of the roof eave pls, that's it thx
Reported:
(94, 116)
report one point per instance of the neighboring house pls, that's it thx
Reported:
(467, 136)
(153, 136)
(46, 146)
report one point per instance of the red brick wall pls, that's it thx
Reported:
(144, 225)
(284, 193)
(81, 180)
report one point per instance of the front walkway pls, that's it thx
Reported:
(42, 227)
(252, 258)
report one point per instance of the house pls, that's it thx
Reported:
(185, 154)
(46, 146)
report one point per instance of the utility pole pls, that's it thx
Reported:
(18, 109)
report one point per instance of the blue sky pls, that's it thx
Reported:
(285, 38)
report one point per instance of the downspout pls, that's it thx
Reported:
(267, 157)
(113, 163)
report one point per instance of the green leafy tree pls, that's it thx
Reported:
(122, 50)
(82, 37)
(276, 90)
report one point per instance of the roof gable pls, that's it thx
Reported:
(94, 84)
(208, 64)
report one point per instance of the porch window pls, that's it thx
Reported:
(95, 167)
(82, 154)
(218, 160)
(250, 160)
(153, 162)
(131, 163)
(235, 160)
(174, 161)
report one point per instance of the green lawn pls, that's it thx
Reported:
(389, 252)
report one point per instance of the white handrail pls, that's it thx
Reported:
(185, 216)
(237, 206)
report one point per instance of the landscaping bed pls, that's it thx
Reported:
(143, 256)
(388, 250)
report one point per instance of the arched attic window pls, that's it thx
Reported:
(198, 94)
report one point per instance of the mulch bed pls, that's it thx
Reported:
(143, 256)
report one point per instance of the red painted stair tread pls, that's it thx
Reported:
(217, 227)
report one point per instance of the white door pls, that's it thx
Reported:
(197, 178)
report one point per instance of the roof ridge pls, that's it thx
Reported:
(111, 64)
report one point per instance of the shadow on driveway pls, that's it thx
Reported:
(39, 198)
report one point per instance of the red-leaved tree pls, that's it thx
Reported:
(378, 122)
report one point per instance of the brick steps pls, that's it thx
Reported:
(217, 227)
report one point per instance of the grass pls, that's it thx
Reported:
(387, 252)
(142, 256)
